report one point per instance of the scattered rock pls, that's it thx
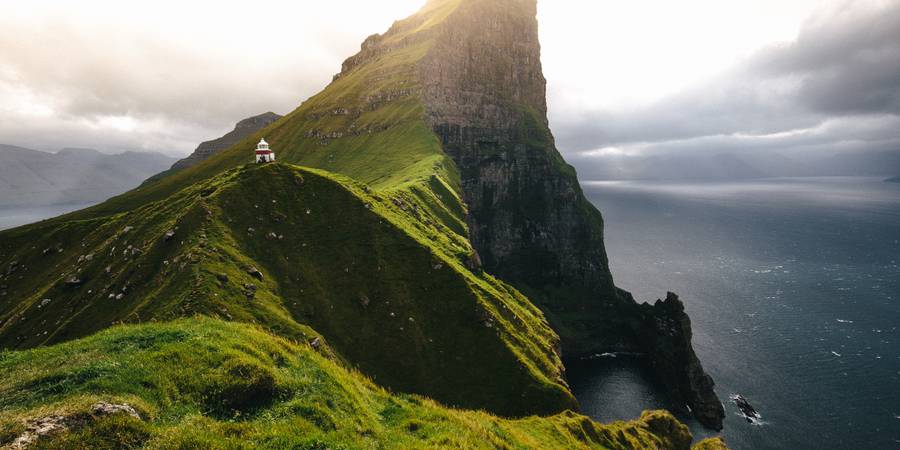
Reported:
(473, 262)
(108, 409)
(251, 230)
(127, 229)
(169, 235)
(73, 281)
(44, 302)
(255, 273)
(39, 428)
(44, 427)
(222, 277)
(364, 301)
(316, 343)
(271, 236)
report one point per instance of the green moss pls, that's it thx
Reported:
(711, 444)
(320, 403)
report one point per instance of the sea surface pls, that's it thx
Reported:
(14, 217)
(793, 288)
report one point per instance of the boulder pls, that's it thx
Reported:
(255, 273)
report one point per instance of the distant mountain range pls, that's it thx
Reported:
(70, 176)
(726, 166)
(76, 175)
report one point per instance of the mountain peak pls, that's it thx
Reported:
(257, 122)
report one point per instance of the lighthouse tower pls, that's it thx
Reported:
(263, 153)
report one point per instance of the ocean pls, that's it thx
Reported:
(793, 288)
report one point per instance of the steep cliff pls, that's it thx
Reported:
(484, 94)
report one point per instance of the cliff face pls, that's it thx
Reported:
(484, 94)
(243, 129)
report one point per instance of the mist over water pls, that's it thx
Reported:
(793, 287)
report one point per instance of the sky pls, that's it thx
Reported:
(624, 77)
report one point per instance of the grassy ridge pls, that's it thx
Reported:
(204, 383)
(290, 249)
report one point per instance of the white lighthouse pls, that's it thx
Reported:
(263, 153)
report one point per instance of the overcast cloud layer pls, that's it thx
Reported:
(167, 74)
(625, 77)
(836, 87)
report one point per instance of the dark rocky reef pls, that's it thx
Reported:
(751, 415)
(893, 180)
(243, 129)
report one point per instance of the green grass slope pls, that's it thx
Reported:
(289, 249)
(364, 253)
(203, 383)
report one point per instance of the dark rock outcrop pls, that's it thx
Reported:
(664, 332)
(893, 180)
(484, 95)
(747, 410)
(243, 129)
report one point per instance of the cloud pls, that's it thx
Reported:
(836, 86)
(119, 76)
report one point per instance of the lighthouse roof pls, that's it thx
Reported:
(263, 142)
